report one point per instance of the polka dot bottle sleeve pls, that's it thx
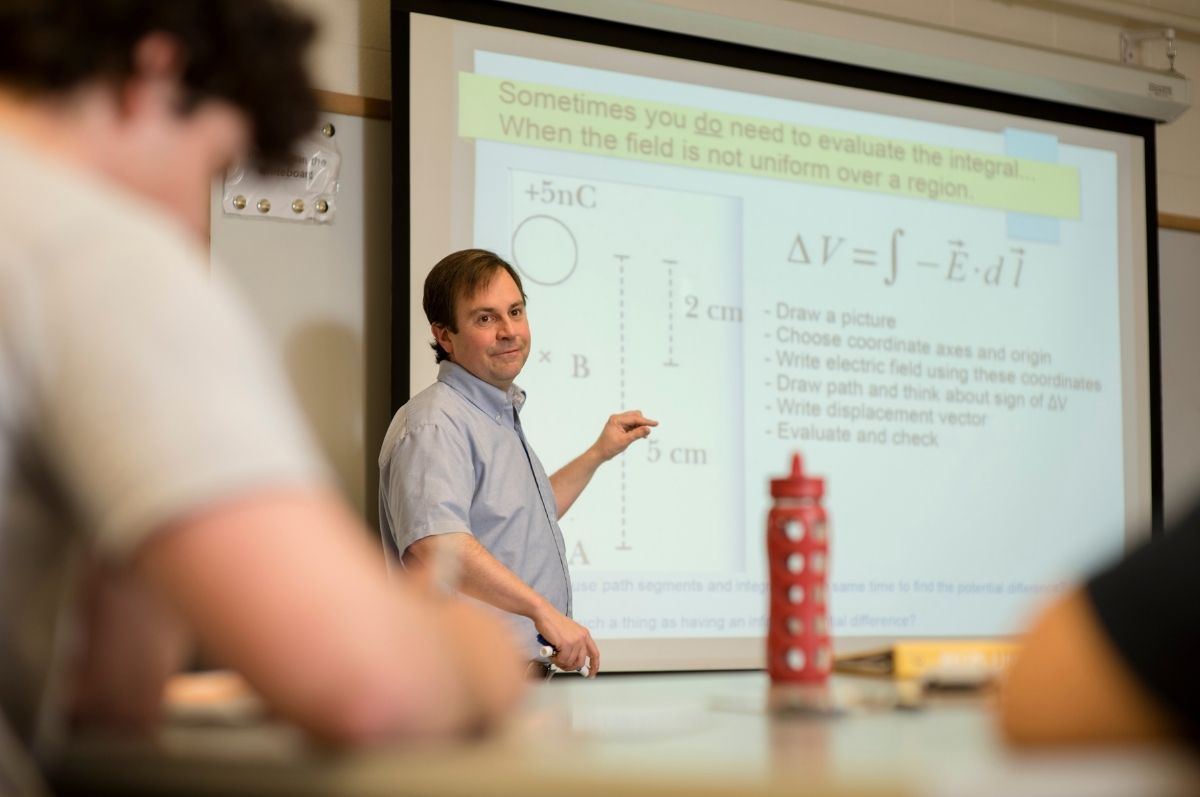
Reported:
(798, 647)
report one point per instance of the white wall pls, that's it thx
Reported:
(1179, 256)
(323, 292)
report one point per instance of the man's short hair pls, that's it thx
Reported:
(459, 275)
(249, 53)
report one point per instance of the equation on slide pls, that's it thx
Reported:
(955, 263)
(612, 271)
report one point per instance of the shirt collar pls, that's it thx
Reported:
(491, 400)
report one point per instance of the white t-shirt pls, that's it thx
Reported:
(133, 390)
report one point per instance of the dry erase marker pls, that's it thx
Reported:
(547, 651)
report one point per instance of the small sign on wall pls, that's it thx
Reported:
(301, 189)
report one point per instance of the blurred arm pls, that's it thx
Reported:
(283, 587)
(1068, 685)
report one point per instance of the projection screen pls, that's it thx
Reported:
(940, 297)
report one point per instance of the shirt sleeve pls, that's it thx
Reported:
(156, 394)
(430, 484)
(1149, 607)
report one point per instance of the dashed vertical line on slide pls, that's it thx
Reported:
(670, 313)
(624, 545)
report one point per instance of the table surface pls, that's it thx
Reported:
(664, 734)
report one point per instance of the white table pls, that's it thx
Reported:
(663, 735)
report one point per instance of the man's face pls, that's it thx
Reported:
(492, 341)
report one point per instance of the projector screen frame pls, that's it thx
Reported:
(741, 56)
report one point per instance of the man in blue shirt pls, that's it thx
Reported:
(459, 480)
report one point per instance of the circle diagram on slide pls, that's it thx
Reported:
(545, 250)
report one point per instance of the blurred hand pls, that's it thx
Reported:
(132, 644)
(487, 658)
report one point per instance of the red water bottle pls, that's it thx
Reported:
(798, 648)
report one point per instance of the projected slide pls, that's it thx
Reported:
(932, 305)
(612, 271)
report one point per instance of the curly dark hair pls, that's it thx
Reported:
(249, 53)
(459, 275)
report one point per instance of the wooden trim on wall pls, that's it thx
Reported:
(1174, 221)
(352, 105)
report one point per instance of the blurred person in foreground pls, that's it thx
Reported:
(1115, 660)
(157, 484)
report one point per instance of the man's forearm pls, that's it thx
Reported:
(619, 431)
(569, 480)
(482, 576)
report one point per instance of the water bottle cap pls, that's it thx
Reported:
(796, 484)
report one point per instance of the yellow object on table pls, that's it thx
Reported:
(937, 660)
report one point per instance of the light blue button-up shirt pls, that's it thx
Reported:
(455, 459)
